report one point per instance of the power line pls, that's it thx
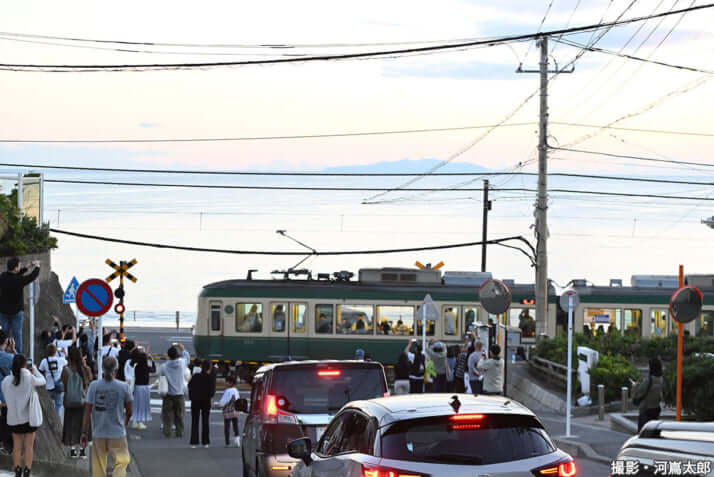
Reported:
(346, 56)
(366, 189)
(636, 58)
(283, 253)
(637, 158)
(540, 26)
(258, 138)
(642, 130)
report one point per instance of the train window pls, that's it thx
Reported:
(395, 320)
(354, 319)
(249, 317)
(470, 317)
(430, 324)
(522, 318)
(705, 324)
(632, 322)
(215, 317)
(279, 316)
(324, 319)
(450, 316)
(297, 311)
(600, 320)
(658, 323)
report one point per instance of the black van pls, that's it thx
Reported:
(297, 399)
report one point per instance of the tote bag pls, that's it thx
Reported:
(163, 386)
(35, 409)
(229, 410)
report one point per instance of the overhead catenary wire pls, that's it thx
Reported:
(345, 56)
(636, 158)
(284, 253)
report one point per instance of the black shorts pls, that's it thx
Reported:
(25, 428)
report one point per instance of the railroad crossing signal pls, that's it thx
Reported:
(121, 270)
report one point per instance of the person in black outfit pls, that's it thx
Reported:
(12, 303)
(124, 355)
(200, 391)
(417, 366)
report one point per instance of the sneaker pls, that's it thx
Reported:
(4, 451)
(206, 446)
(82, 454)
(193, 446)
(141, 426)
(73, 453)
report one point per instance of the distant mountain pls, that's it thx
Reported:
(406, 166)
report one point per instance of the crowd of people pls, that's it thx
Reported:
(465, 368)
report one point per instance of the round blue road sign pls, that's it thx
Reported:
(94, 297)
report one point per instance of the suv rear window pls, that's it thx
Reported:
(492, 439)
(321, 389)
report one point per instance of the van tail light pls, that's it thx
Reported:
(381, 472)
(558, 469)
(275, 415)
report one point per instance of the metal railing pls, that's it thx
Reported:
(555, 372)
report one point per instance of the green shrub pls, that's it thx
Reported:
(21, 236)
(697, 392)
(613, 371)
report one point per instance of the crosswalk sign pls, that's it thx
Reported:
(71, 291)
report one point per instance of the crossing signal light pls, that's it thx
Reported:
(119, 308)
(528, 301)
(119, 292)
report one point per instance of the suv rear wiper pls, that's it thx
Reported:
(455, 458)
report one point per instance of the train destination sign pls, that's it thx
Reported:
(686, 304)
(495, 296)
(94, 297)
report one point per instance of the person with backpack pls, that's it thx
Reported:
(230, 414)
(76, 377)
(51, 368)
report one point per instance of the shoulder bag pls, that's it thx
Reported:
(35, 409)
(229, 410)
(163, 386)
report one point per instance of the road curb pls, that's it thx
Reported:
(580, 449)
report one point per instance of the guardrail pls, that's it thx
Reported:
(554, 372)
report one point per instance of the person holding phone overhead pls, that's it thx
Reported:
(12, 302)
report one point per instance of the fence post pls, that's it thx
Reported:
(601, 401)
(624, 398)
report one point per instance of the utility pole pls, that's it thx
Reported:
(486, 208)
(541, 211)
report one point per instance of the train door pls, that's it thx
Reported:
(297, 331)
(215, 330)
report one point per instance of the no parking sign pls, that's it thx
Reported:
(94, 297)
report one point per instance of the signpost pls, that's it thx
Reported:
(684, 306)
(94, 298)
(430, 310)
(496, 297)
(121, 271)
(569, 300)
(69, 297)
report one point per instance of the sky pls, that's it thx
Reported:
(591, 237)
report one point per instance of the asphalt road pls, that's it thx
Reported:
(159, 340)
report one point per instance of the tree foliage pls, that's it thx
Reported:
(21, 236)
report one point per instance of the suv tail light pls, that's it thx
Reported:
(381, 472)
(558, 469)
(275, 415)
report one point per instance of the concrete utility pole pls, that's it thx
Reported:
(541, 212)
(486, 208)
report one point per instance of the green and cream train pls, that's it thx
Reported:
(253, 321)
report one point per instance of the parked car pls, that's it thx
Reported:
(432, 435)
(297, 399)
(690, 445)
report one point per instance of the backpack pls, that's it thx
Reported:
(74, 395)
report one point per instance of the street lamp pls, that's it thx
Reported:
(709, 222)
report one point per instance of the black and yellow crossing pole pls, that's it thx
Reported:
(121, 271)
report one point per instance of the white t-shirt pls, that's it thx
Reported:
(52, 367)
(227, 395)
(109, 350)
(62, 347)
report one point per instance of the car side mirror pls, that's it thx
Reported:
(242, 405)
(301, 449)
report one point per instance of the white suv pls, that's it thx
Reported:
(433, 435)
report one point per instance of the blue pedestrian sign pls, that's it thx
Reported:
(71, 292)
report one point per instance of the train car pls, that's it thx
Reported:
(269, 320)
(254, 321)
